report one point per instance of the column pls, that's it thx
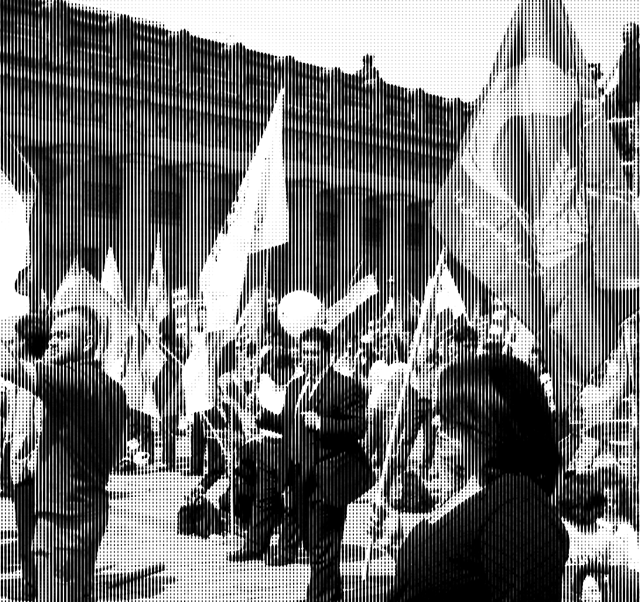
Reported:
(137, 239)
(197, 236)
(303, 204)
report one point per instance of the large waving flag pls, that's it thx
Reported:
(258, 220)
(536, 205)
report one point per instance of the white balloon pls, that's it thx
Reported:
(299, 311)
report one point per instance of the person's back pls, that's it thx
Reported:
(82, 437)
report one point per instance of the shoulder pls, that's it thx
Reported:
(517, 503)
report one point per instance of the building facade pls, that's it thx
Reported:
(135, 132)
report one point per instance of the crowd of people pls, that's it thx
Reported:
(301, 428)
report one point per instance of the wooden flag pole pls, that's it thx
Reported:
(428, 308)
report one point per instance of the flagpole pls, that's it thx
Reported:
(428, 309)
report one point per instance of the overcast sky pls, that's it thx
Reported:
(446, 47)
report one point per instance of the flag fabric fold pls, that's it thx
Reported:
(536, 206)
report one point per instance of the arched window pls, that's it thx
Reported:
(165, 196)
(327, 216)
(102, 187)
(415, 226)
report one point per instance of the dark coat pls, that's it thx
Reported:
(333, 456)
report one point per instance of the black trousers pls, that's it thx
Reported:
(24, 504)
(198, 445)
(269, 509)
(168, 433)
(322, 529)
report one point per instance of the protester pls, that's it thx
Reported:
(322, 423)
(23, 430)
(169, 395)
(270, 508)
(82, 438)
(500, 538)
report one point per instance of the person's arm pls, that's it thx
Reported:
(523, 554)
(353, 421)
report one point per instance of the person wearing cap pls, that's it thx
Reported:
(24, 424)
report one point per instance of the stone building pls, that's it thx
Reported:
(134, 131)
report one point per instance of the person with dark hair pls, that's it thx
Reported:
(270, 508)
(24, 425)
(322, 423)
(84, 417)
(169, 395)
(500, 538)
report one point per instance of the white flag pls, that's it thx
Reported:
(157, 298)
(448, 296)
(195, 378)
(115, 345)
(258, 220)
(361, 292)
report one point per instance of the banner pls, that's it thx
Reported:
(360, 293)
(258, 220)
(536, 206)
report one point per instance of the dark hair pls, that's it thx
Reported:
(90, 317)
(35, 332)
(501, 399)
(317, 335)
(465, 334)
(227, 359)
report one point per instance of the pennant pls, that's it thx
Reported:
(115, 346)
(448, 296)
(195, 378)
(536, 206)
(157, 299)
(258, 220)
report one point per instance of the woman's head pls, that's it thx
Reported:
(496, 408)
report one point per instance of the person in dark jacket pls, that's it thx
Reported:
(83, 428)
(322, 423)
(500, 538)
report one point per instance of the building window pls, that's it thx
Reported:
(327, 216)
(327, 225)
(92, 261)
(165, 196)
(372, 230)
(415, 226)
(102, 188)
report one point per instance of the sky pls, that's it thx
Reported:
(445, 47)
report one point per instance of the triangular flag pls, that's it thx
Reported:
(258, 220)
(115, 346)
(195, 378)
(157, 308)
(448, 296)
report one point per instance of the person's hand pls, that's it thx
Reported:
(311, 420)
